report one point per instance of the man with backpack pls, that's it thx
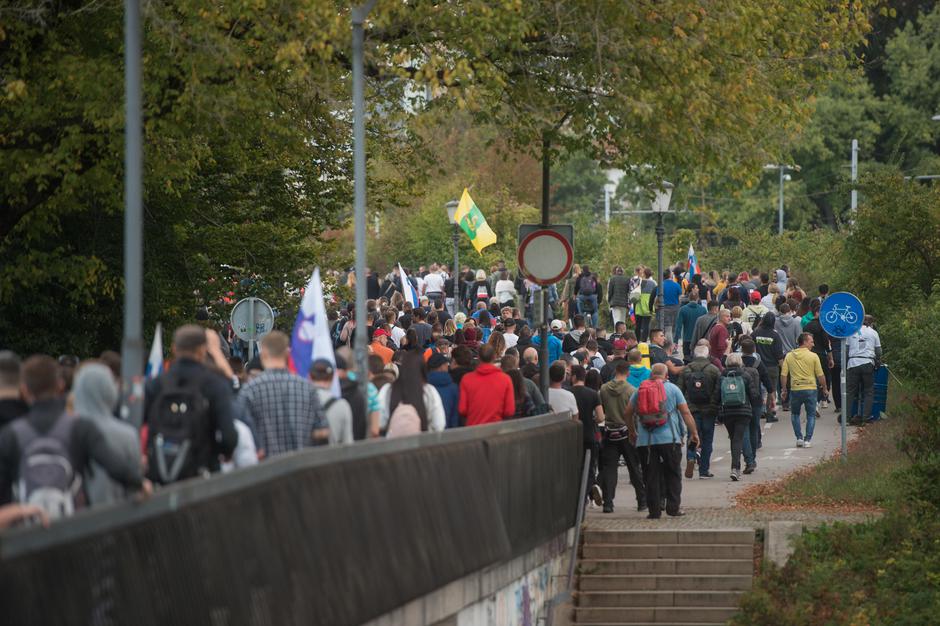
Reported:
(189, 413)
(739, 392)
(699, 382)
(44, 454)
(283, 406)
(585, 288)
(336, 410)
(616, 441)
(659, 417)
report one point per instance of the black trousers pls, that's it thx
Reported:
(662, 466)
(737, 427)
(836, 378)
(643, 327)
(592, 448)
(861, 380)
(610, 455)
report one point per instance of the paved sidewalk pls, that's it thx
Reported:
(709, 503)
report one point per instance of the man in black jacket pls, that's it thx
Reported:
(191, 349)
(42, 388)
(769, 348)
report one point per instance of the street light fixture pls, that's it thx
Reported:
(936, 118)
(452, 218)
(783, 177)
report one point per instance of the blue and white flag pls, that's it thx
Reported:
(310, 339)
(693, 263)
(155, 360)
(408, 290)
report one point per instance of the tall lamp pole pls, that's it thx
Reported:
(783, 177)
(359, 14)
(132, 348)
(660, 208)
(455, 238)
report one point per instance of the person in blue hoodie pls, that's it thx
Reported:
(638, 371)
(439, 378)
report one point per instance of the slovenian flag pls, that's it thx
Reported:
(155, 360)
(473, 223)
(693, 263)
(310, 339)
(407, 289)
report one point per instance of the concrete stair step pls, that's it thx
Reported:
(654, 614)
(654, 567)
(678, 536)
(668, 551)
(721, 623)
(658, 598)
(685, 582)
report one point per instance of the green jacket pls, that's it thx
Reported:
(615, 396)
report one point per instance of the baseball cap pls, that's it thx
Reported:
(380, 332)
(557, 324)
(619, 344)
(755, 296)
(321, 368)
(437, 359)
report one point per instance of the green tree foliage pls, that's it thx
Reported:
(895, 240)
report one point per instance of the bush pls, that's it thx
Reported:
(911, 340)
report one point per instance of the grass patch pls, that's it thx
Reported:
(867, 479)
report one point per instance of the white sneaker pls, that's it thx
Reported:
(824, 404)
(807, 444)
(799, 443)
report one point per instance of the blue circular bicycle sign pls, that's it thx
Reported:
(841, 314)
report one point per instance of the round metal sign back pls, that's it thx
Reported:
(252, 312)
(545, 257)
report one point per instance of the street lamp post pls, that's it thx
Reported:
(359, 14)
(455, 238)
(783, 177)
(660, 208)
(132, 347)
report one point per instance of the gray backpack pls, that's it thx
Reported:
(47, 477)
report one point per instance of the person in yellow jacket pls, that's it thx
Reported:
(801, 368)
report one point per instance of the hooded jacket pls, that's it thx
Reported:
(449, 393)
(486, 395)
(769, 346)
(615, 396)
(95, 395)
(788, 327)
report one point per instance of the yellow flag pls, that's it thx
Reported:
(473, 223)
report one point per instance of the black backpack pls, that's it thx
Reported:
(696, 387)
(359, 405)
(586, 286)
(178, 436)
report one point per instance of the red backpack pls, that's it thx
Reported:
(651, 404)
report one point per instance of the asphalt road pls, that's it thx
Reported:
(777, 457)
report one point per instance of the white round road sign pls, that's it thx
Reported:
(252, 312)
(545, 257)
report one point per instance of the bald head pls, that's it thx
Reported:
(530, 355)
(659, 371)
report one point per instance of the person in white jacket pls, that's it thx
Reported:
(411, 387)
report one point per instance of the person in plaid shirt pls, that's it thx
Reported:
(283, 406)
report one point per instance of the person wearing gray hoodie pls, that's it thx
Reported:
(789, 329)
(94, 397)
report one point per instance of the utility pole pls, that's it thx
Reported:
(783, 177)
(546, 307)
(854, 202)
(132, 348)
(359, 14)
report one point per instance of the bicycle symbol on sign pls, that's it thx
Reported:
(845, 314)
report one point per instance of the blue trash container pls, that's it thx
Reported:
(880, 404)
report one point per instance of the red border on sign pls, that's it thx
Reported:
(525, 243)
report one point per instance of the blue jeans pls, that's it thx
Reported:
(706, 434)
(590, 316)
(803, 398)
(751, 437)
